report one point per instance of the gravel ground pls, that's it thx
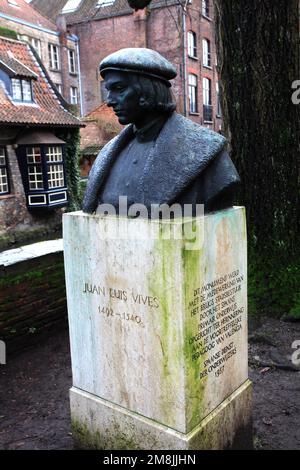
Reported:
(34, 406)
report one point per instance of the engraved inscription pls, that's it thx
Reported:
(216, 306)
(120, 299)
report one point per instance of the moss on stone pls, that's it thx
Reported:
(113, 439)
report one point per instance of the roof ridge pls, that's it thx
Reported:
(17, 60)
(46, 77)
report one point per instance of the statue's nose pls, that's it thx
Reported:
(110, 100)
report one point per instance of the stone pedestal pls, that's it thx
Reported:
(158, 330)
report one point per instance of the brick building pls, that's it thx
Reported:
(101, 125)
(57, 49)
(34, 127)
(186, 38)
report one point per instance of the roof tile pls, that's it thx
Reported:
(26, 12)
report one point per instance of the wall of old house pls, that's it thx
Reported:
(59, 77)
(17, 223)
(160, 29)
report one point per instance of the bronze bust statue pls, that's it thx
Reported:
(161, 157)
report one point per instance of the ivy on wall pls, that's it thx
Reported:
(72, 139)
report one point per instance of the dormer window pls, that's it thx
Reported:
(17, 78)
(21, 90)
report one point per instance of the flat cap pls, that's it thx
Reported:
(139, 60)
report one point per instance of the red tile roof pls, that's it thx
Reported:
(26, 12)
(14, 67)
(102, 111)
(47, 108)
(50, 8)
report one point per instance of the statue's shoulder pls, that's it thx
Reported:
(190, 135)
(195, 131)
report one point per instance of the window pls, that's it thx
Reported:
(71, 5)
(219, 109)
(35, 169)
(36, 44)
(59, 87)
(73, 95)
(53, 56)
(43, 169)
(55, 168)
(207, 106)
(54, 164)
(192, 44)
(193, 92)
(4, 185)
(21, 90)
(72, 62)
(206, 53)
(205, 8)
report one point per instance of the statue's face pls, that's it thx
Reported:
(123, 97)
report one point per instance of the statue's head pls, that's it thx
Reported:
(137, 80)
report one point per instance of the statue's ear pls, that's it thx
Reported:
(143, 102)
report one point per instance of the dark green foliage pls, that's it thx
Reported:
(8, 33)
(273, 286)
(72, 139)
(83, 184)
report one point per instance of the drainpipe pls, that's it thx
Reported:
(184, 60)
(79, 76)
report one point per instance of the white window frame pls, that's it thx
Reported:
(20, 84)
(59, 87)
(192, 44)
(206, 47)
(205, 8)
(54, 58)
(219, 108)
(55, 167)
(34, 168)
(193, 93)
(4, 179)
(72, 61)
(73, 95)
(207, 98)
(36, 44)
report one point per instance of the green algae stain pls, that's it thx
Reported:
(195, 387)
(176, 263)
(113, 438)
(162, 285)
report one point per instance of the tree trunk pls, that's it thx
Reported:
(258, 58)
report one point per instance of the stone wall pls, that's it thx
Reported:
(17, 223)
(32, 300)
